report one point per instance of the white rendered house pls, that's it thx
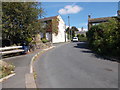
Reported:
(61, 36)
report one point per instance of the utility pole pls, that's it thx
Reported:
(69, 26)
(65, 32)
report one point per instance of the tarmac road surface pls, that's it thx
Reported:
(73, 65)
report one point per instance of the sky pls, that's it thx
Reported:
(79, 11)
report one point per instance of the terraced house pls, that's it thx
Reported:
(54, 29)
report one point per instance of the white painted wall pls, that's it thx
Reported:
(61, 32)
(66, 37)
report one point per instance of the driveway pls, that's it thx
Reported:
(22, 67)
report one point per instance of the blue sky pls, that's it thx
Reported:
(79, 11)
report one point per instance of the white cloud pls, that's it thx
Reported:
(70, 9)
(67, 26)
(115, 15)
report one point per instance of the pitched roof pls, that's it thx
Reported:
(48, 18)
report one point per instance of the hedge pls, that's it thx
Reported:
(104, 38)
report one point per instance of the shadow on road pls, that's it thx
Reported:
(85, 49)
(82, 45)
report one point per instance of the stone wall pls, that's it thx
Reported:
(38, 44)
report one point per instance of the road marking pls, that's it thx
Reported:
(31, 63)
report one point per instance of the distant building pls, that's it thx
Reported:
(61, 36)
(81, 31)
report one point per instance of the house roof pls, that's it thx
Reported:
(48, 18)
(103, 19)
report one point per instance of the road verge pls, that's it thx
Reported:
(4, 78)
(7, 70)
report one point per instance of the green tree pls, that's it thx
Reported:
(20, 21)
(55, 23)
(74, 30)
(68, 32)
(71, 31)
(82, 37)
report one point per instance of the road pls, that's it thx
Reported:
(73, 65)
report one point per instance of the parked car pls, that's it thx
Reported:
(25, 47)
(75, 39)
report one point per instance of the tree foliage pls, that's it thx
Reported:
(82, 37)
(50, 25)
(105, 37)
(19, 21)
(71, 31)
(55, 23)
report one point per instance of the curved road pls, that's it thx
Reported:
(73, 65)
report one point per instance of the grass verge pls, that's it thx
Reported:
(6, 69)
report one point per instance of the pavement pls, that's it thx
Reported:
(22, 67)
(73, 65)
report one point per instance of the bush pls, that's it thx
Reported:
(44, 40)
(81, 37)
(105, 38)
(6, 69)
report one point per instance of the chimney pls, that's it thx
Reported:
(89, 16)
(118, 12)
